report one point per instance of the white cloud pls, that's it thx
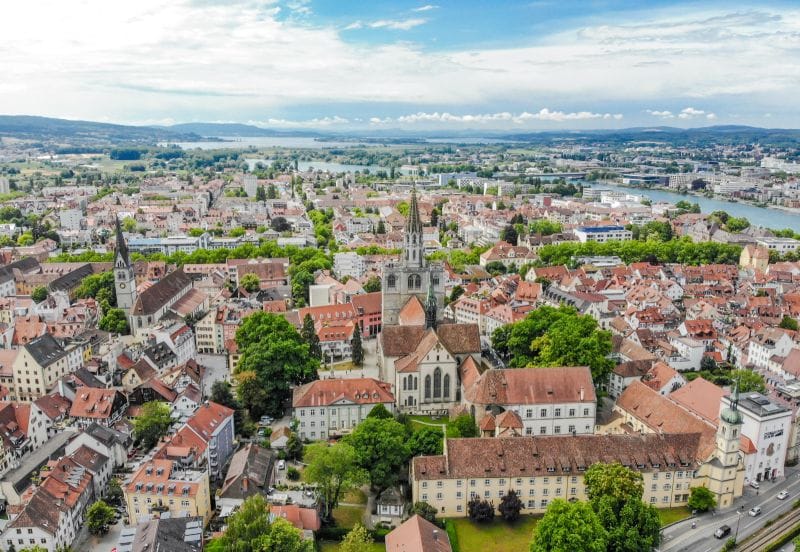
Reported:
(426, 7)
(711, 116)
(398, 24)
(663, 114)
(207, 60)
(322, 122)
(543, 114)
(354, 25)
(691, 113)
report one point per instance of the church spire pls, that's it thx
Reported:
(414, 223)
(122, 248)
(430, 305)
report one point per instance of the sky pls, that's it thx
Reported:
(338, 65)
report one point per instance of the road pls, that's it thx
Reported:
(681, 537)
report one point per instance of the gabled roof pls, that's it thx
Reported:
(331, 391)
(515, 386)
(154, 298)
(207, 419)
(418, 535)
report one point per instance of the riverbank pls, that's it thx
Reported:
(774, 217)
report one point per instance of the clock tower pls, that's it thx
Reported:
(124, 277)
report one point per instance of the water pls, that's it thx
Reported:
(759, 216)
(322, 166)
(267, 142)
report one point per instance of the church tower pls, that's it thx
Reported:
(124, 277)
(413, 277)
(726, 466)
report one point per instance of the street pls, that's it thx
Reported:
(681, 537)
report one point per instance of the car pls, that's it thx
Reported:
(754, 511)
(754, 484)
(265, 420)
(722, 532)
(783, 495)
(281, 465)
(309, 492)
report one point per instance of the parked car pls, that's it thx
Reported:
(754, 511)
(754, 484)
(722, 532)
(265, 420)
(281, 465)
(783, 495)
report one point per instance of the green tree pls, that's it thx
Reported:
(379, 411)
(237, 232)
(614, 480)
(544, 227)
(480, 510)
(152, 423)
(248, 526)
(25, 239)
(114, 321)
(631, 524)
(309, 334)
(464, 426)
(333, 470)
(708, 364)
(114, 493)
(278, 362)
(551, 336)
(456, 292)
(357, 540)
(372, 284)
(250, 282)
(427, 441)
(100, 286)
(569, 527)
(39, 294)
(272, 192)
(261, 194)
(424, 510)
(510, 506)
(356, 348)
(701, 499)
(284, 537)
(98, 516)
(749, 381)
(509, 235)
(381, 449)
(789, 323)
(294, 447)
(129, 225)
(381, 227)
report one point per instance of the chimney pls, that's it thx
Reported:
(581, 392)
(436, 535)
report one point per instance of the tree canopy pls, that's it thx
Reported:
(269, 367)
(98, 517)
(569, 527)
(250, 530)
(551, 336)
(701, 499)
(614, 480)
(334, 470)
(152, 423)
(381, 449)
(749, 381)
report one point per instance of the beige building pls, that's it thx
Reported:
(159, 487)
(39, 365)
(541, 469)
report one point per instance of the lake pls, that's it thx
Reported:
(760, 216)
(267, 142)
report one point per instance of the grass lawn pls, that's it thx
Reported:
(671, 515)
(426, 421)
(328, 546)
(347, 516)
(355, 496)
(497, 536)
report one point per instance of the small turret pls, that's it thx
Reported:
(430, 306)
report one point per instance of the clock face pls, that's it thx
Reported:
(122, 286)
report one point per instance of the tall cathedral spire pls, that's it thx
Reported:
(122, 247)
(414, 223)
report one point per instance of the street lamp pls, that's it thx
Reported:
(738, 519)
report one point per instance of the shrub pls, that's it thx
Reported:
(293, 473)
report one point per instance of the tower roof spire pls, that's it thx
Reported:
(430, 304)
(413, 223)
(122, 247)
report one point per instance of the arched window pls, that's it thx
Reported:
(415, 384)
(435, 280)
(447, 386)
(437, 383)
(391, 281)
(414, 281)
(404, 384)
(427, 387)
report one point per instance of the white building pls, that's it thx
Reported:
(70, 219)
(602, 233)
(250, 184)
(768, 426)
(781, 245)
(348, 263)
(765, 344)
(335, 406)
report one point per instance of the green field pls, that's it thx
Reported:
(497, 536)
(348, 516)
(334, 547)
(671, 515)
(426, 421)
(354, 496)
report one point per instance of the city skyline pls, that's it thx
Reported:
(407, 65)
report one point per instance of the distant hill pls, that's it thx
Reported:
(235, 129)
(49, 129)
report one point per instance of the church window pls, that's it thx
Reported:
(391, 281)
(447, 386)
(415, 384)
(414, 281)
(404, 384)
(437, 383)
(435, 280)
(427, 387)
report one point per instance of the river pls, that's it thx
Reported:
(760, 216)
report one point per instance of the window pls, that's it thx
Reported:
(459, 508)
(543, 413)
(585, 411)
(487, 494)
(571, 429)
(557, 413)
(545, 492)
(652, 500)
(472, 482)
(542, 430)
(458, 483)
(447, 386)
(458, 494)
(424, 484)
(437, 383)
(391, 281)
(532, 492)
(424, 497)
(487, 482)
(414, 281)
(654, 487)
(557, 430)
(439, 484)
(428, 387)
(665, 499)
(438, 496)
(529, 413)
(571, 412)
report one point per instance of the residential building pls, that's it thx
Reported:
(332, 407)
(602, 234)
(251, 472)
(96, 405)
(163, 486)
(40, 364)
(417, 534)
(184, 534)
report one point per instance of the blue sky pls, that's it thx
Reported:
(341, 65)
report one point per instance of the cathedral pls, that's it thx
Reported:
(421, 356)
(124, 276)
(413, 276)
